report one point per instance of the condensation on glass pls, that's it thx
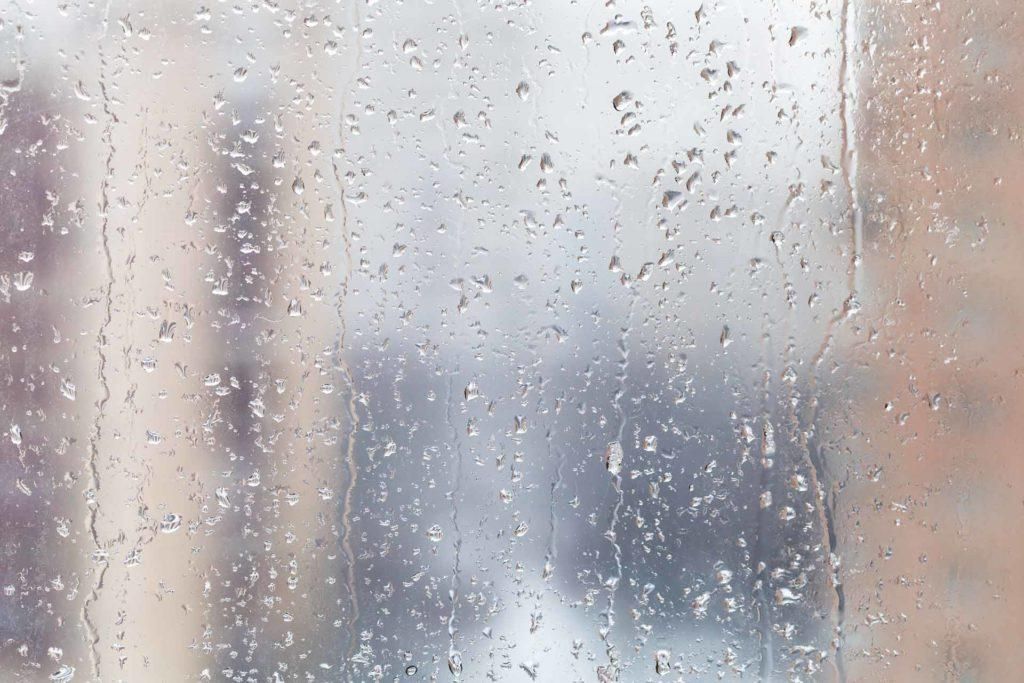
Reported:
(509, 340)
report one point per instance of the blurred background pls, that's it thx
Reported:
(383, 340)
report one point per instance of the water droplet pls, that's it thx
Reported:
(725, 339)
(662, 662)
(613, 457)
(455, 663)
(65, 673)
(67, 389)
(23, 281)
(622, 100)
(170, 523)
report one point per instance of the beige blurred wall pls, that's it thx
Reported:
(930, 515)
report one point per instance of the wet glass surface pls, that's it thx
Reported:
(487, 340)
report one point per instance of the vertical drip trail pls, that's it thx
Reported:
(352, 472)
(848, 169)
(613, 523)
(826, 509)
(848, 159)
(454, 657)
(346, 511)
(551, 555)
(814, 462)
(814, 457)
(764, 605)
(455, 586)
(551, 551)
(760, 565)
(101, 343)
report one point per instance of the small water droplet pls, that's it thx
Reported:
(65, 673)
(662, 662)
(170, 523)
(455, 663)
(622, 100)
(613, 457)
